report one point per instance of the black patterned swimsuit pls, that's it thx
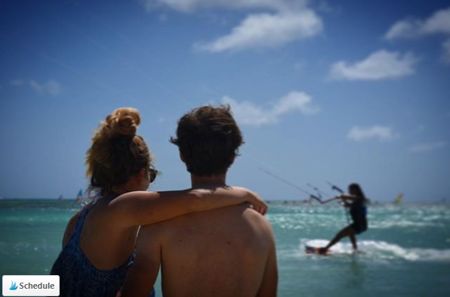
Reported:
(79, 278)
(358, 212)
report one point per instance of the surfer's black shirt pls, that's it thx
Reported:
(358, 212)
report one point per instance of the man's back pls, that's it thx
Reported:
(224, 252)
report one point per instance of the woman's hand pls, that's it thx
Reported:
(255, 201)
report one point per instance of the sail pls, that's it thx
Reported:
(79, 196)
(399, 199)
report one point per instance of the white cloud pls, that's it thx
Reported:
(427, 147)
(248, 113)
(295, 101)
(51, 87)
(267, 30)
(193, 5)
(381, 133)
(379, 65)
(404, 29)
(438, 23)
(283, 21)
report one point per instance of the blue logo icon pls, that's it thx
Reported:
(13, 286)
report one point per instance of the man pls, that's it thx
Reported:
(223, 252)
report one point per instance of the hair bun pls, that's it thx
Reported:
(123, 121)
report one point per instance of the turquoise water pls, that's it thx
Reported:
(406, 251)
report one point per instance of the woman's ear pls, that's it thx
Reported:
(141, 174)
(137, 179)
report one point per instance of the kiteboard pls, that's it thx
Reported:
(313, 247)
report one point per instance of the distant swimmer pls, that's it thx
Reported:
(356, 202)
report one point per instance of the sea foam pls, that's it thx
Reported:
(382, 250)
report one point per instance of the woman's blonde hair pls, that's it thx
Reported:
(117, 152)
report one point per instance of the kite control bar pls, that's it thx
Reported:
(336, 188)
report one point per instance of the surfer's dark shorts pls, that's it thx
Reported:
(359, 227)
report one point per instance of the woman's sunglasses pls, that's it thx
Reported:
(152, 173)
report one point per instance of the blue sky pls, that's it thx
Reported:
(347, 91)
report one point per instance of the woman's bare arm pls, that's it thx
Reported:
(345, 197)
(143, 208)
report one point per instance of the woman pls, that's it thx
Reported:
(356, 201)
(99, 240)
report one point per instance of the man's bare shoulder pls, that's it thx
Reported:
(260, 223)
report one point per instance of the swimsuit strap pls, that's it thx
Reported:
(79, 225)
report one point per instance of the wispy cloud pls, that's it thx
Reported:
(248, 113)
(427, 147)
(376, 132)
(438, 23)
(283, 21)
(379, 65)
(17, 82)
(50, 87)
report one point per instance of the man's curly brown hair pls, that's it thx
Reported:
(208, 139)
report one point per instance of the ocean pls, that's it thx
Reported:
(405, 252)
